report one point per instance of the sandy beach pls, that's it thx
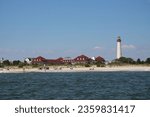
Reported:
(78, 69)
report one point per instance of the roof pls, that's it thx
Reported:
(82, 56)
(119, 39)
(99, 58)
(40, 57)
(60, 59)
(68, 58)
(28, 59)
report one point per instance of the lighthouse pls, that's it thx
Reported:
(119, 52)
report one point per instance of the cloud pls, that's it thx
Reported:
(128, 46)
(97, 48)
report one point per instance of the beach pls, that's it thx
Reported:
(76, 69)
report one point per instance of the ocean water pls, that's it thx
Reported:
(82, 85)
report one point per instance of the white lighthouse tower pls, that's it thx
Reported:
(119, 52)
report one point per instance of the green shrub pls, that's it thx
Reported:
(98, 65)
(20, 65)
(1, 66)
(35, 65)
(87, 65)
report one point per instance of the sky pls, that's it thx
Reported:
(68, 28)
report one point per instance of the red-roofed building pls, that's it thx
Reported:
(100, 59)
(60, 59)
(82, 59)
(54, 61)
(42, 60)
(38, 60)
(68, 60)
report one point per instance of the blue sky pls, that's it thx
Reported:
(55, 28)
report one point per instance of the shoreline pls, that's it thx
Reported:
(79, 69)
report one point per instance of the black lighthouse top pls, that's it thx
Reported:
(119, 39)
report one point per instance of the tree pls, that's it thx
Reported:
(6, 62)
(100, 64)
(126, 60)
(20, 65)
(148, 60)
(16, 62)
(1, 65)
(138, 61)
(87, 65)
